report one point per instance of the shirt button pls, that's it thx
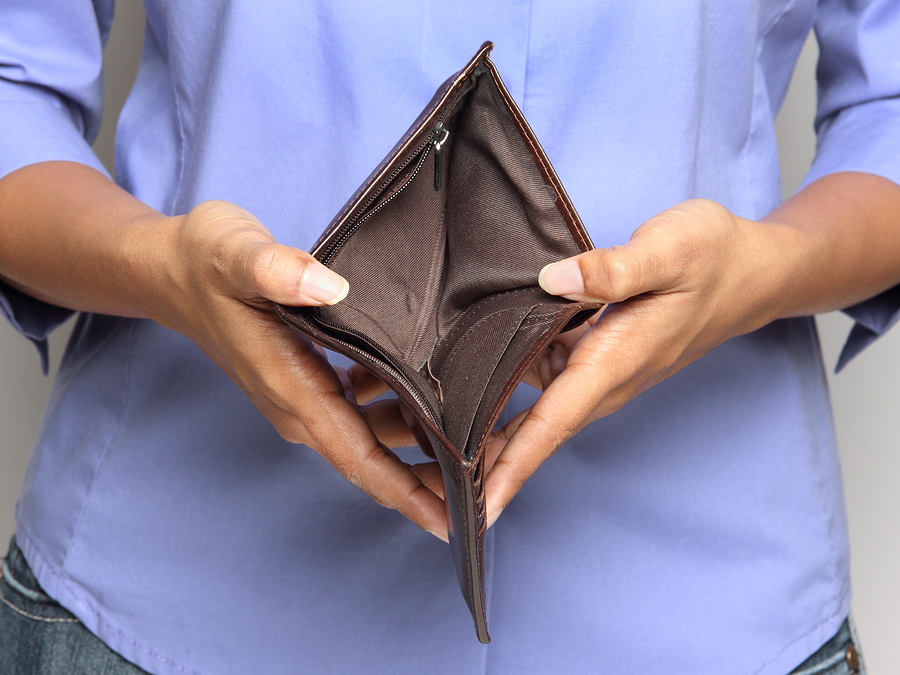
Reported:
(852, 658)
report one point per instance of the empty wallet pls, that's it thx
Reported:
(442, 246)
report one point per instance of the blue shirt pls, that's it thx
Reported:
(699, 529)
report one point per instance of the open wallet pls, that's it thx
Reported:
(442, 246)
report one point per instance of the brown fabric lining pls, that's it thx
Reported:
(421, 263)
(444, 304)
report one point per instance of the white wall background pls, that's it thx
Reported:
(865, 394)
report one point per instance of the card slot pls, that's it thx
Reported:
(469, 367)
(531, 330)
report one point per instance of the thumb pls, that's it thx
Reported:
(292, 277)
(610, 274)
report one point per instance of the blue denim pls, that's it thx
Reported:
(39, 637)
(834, 657)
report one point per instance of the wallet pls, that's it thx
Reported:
(442, 246)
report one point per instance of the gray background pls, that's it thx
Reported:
(864, 394)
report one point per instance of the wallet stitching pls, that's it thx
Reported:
(532, 353)
(537, 321)
(538, 153)
(461, 338)
(458, 483)
(456, 326)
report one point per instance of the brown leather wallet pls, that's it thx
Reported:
(442, 247)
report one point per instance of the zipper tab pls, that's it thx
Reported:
(440, 137)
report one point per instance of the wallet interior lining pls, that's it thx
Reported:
(443, 283)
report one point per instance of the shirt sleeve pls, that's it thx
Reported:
(51, 98)
(858, 121)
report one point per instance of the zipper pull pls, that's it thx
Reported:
(440, 137)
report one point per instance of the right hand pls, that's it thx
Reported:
(227, 270)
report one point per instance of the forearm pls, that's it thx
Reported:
(690, 278)
(72, 237)
(834, 244)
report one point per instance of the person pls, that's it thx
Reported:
(182, 503)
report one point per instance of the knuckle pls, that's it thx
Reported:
(275, 270)
(555, 433)
(620, 273)
(261, 265)
(353, 472)
(357, 470)
(288, 426)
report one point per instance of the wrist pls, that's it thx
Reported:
(146, 251)
(777, 262)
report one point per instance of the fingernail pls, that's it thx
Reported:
(442, 537)
(321, 284)
(493, 518)
(562, 278)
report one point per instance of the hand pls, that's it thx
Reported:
(227, 271)
(689, 279)
(211, 275)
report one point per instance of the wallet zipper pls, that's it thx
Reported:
(350, 230)
(410, 387)
(438, 138)
(441, 133)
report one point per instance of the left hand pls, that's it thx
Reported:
(689, 279)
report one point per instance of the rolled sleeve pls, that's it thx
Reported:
(858, 121)
(51, 98)
(32, 318)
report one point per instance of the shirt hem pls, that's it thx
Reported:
(58, 588)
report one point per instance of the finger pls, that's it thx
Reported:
(290, 276)
(349, 394)
(366, 385)
(406, 491)
(634, 348)
(430, 475)
(416, 427)
(305, 399)
(506, 432)
(534, 435)
(553, 359)
(551, 363)
(378, 472)
(651, 261)
(386, 422)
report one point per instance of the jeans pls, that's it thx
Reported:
(39, 637)
(841, 655)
